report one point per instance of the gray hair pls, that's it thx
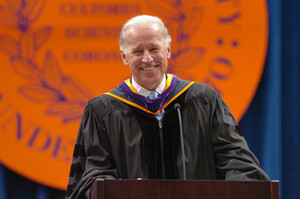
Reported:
(143, 18)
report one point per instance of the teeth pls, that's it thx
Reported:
(149, 68)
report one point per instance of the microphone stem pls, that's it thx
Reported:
(162, 150)
(181, 143)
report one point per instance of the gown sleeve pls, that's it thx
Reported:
(234, 160)
(92, 157)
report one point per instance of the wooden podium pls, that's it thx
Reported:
(179, 189)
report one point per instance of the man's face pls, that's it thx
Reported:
(146, 54)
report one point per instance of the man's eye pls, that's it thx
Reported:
(137, 52)
(154, 49)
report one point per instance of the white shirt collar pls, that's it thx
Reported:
(146, 92)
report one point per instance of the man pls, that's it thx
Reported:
(125, 134)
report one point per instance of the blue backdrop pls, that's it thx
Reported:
(271, 124)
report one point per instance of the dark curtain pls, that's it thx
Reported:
(271, 125)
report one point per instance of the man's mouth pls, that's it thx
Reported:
(148, 68)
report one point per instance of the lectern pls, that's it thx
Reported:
(184, 189)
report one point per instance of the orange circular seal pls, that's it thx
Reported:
(56, 55)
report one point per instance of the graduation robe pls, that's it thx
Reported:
(119, 137)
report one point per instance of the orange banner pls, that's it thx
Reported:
(56, 55)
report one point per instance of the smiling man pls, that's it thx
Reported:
(146, 50)
(134, 131)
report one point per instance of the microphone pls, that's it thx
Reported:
(177, 107)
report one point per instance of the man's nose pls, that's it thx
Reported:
(147, 57)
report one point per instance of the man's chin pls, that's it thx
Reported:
(150, 83)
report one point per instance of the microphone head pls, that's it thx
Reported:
(176, 106)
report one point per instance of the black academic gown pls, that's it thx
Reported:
(118, 138)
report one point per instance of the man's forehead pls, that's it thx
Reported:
(135, 29)
(145, 24)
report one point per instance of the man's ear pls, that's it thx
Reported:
(124, 58)
(169, 52)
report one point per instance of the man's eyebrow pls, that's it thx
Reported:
(135, 48)
(156, 45)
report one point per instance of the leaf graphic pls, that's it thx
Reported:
(25, 68)
(188, 57)
(38, 93)
(188, 5)
(28, 47)
(32, 41)
(8, 18)
(34, 9)
(41, 36)
(185, 26)
(67, 107)
(29, 10)
(9, 45)
(73, 114)
(52, 74)
(193, 19)
(165, 9)
(70, 110)
(70, 118)
(15, 5)
(74, 90)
